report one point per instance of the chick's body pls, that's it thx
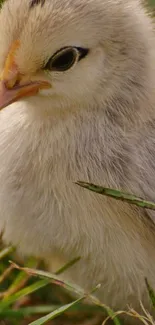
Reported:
(95, 124)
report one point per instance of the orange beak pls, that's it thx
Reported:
(12, 86)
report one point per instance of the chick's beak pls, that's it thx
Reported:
(12, 84)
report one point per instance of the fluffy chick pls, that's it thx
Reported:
(77, 84)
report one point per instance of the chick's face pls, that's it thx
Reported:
(50, 49)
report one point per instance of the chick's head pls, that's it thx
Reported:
(68, 54)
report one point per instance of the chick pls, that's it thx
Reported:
(77, 92)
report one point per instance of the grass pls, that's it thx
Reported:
(31, 296)
(21, 285)
(17, 283)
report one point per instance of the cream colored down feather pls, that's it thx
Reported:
(95, 124)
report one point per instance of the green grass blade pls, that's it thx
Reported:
(151, 292)
(67, 266)
(21, 279)
(118, 195)
(52, 278)
(111, 314)
(27, 311)
(55, 313)
(43, 309)
(22, 293)
(6, 251)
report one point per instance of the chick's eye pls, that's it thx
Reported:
(63, 60)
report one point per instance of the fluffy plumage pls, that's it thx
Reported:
(95, 123)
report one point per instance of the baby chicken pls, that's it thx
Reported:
(77, 92)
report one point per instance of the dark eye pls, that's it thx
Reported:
(63, 60)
